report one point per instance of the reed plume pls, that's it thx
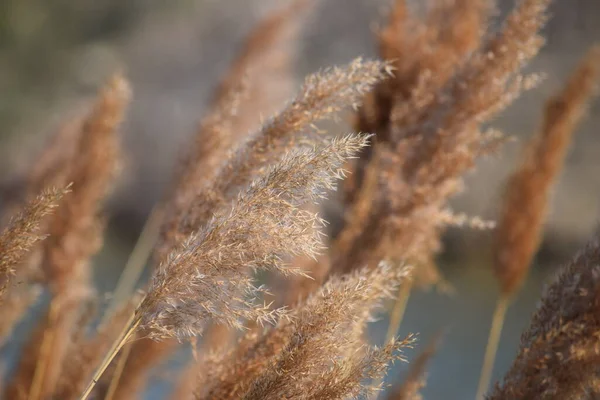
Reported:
(23, 232)
(438, 143)
(246, 90)
(559, 352)
(75, 235)
(527, 191)
(258, 81)
(207, 278)
(528, 188)
(304, 356)
(203, 279)
(245, 200)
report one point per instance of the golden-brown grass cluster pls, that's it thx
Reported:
(245, 200)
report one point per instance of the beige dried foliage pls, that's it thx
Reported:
(306, 355)
(321, 96)
(259, 80)
(75, 230)
(208, 277)
(23, 232)
(423, 164)
(314, 363)
(528, 188)
(74, 236)
(560, 350)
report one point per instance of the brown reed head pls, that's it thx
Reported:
(525, 203)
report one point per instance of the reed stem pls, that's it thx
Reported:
(396, 318)
(398, 311)
(137, 261)
(114, 381)
(492, 346)
(128, 331)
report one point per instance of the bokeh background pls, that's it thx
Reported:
(55, 54)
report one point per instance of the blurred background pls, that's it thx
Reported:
(55, 54)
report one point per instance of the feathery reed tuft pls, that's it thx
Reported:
(527, 192)
(559, 351)
(23, 232)
(524, 207)
(208, 276)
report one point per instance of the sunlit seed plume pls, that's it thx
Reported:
(433, 154)
(75, 234)
(327, 317)
(259, 81)
(74, 230)
(527, 192)
(319, 341)
(23, 232)
(208, 277)
(424, 53)
(321, 96)
(559, 352)
(345, 379)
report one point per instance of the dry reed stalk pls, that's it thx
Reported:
(75, 236)
(23, 232)
(312, 364)
(264, 221)
(526, 200)
(441, 145)
(560, 351)
(207, 278)
(415, 380)
(331, 314)
(86, 353)
(257, 83)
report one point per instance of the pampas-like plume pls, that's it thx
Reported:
(321, 96)
(314, 361)
(560, 351)
(74, 231)
(524, 207)
(208, 276)
(23, 232)
(257, 83)
(75, 235)
(527, 192)
(307, 353)
(441, 145)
